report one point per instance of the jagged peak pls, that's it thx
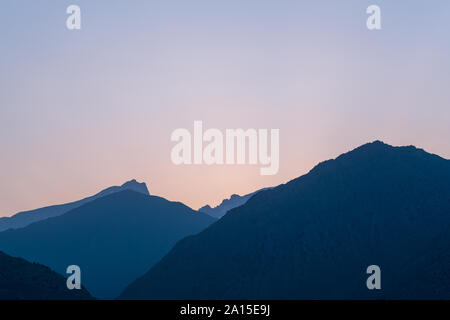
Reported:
(136, 186)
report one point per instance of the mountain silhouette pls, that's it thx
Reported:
(113, 239)
(22, 280)
(315, 236)
(227, 204)
(22, 219)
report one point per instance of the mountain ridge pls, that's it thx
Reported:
(25, 218)
(114, 239)
(226, 205)
(314, 237)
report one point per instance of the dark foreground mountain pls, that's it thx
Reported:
(20, 279)
(22, 219)
(113, 239)
(228, 204)
(314, 237)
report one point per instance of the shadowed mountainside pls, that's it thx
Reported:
(22, 280)
(113, 239)
(314, 237)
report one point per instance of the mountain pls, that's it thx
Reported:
(228, 204)
(22, 219)
(314, 237)
(22, 280)
(113, 239)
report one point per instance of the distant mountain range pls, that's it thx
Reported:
(22, 219)
(22, 280)
(114, 238)
(314, 237)
(228, 204)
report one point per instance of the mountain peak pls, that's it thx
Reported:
(379, 145)
(22, 219)
(136, 186)
(378, 148)
(132, 181)
(375, 203)
(374, 145)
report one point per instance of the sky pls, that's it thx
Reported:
(86, 109)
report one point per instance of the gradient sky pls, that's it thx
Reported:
(84, 110)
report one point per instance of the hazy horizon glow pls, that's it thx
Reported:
(84, 110)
